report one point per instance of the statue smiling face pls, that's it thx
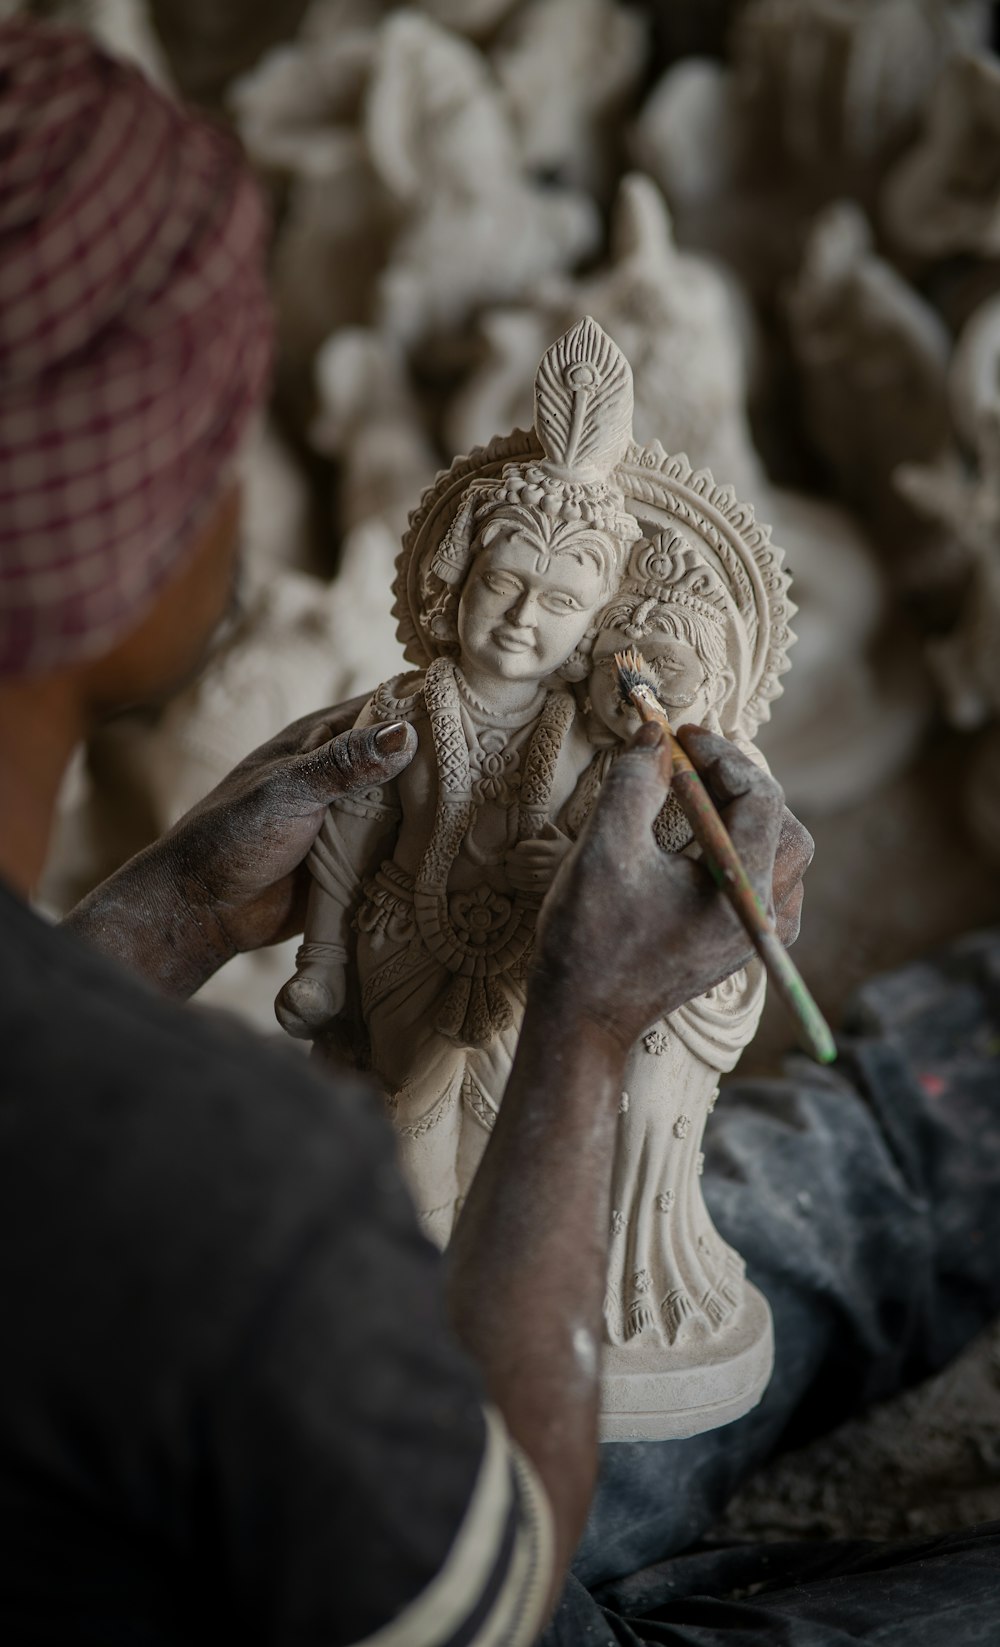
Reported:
(531, 593)
(507, 573)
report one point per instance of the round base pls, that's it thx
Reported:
(660, 1394)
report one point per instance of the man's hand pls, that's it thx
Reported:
(629, 932)
(240, 853)
(230, 876)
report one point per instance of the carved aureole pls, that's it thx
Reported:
(523, 568)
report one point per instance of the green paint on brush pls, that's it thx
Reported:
(814, 1031)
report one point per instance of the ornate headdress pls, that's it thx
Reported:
(699, 549)
(667, 573)
(562, 479)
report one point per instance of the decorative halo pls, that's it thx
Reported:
(664, 493)
(667, 495)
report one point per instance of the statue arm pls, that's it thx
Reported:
(359, 830)
(352, 843)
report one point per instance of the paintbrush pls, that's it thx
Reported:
(723, 861)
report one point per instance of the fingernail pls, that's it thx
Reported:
(389, 740)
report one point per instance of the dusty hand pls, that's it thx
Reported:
(629, 932)
(240, 853)
(531, 866)
(231, 875)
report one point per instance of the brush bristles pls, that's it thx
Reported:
(632, 676)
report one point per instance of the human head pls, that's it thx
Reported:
(134, 346)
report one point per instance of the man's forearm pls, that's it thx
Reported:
(137, 917)
(529, 1256)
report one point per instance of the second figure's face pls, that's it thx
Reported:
(681, 678)
(523, 612)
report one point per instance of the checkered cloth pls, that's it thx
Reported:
(135, 339)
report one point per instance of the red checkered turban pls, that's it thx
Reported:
(135, 340)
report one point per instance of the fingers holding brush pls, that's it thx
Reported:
(738, 850)
(734, 781)
(793, 857)
(631, 931)
(750, 802)
(636, 787)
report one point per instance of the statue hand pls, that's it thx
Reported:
(630, 933)
(531, 866)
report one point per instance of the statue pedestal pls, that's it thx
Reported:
(660, 1394)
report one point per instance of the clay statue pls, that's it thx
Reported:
(872, 357)
(961, 493)
(940, 199)
(815, 99)
(474, 225)
(523, 567)
(965, 500)
(569, 70)
(369, 422)
(842, 85)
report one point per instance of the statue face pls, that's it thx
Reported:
(524, 611)
(686, 689)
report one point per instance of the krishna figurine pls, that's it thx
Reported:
(523, 566)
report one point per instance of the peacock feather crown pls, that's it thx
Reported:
(671, 535)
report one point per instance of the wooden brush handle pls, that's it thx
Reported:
(720, 854)
(727, 869)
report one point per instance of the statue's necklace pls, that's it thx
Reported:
(510, 935)
(511, 721)
(496, 745)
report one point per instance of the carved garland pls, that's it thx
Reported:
(475, 1008)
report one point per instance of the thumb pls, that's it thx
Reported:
(357, 760)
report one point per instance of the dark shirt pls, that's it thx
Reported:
(231, 1407)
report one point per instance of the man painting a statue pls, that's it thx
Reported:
(242, 1395)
